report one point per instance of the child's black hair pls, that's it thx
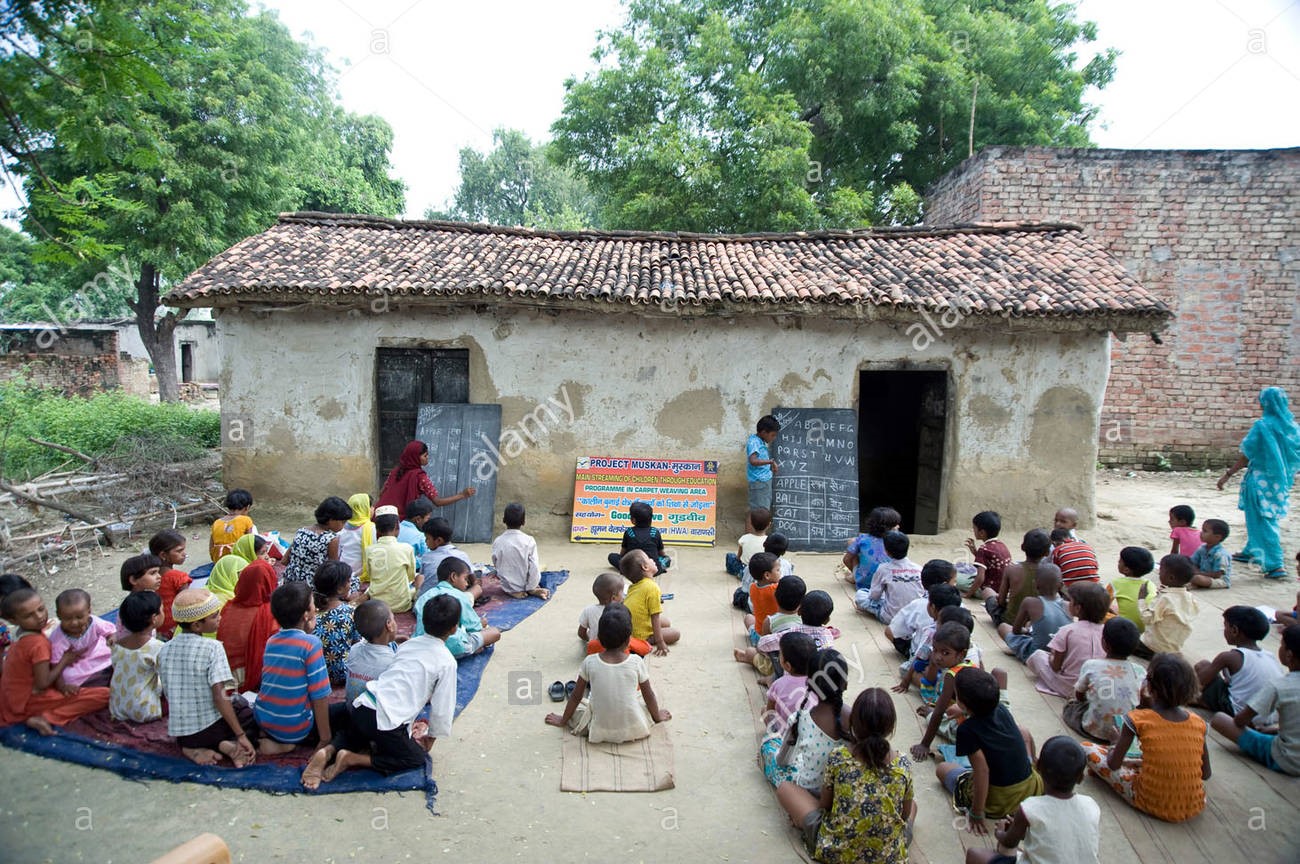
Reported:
(438, 528)
(1137, 559)
(1047, 577)
(449, 566)
(14, 599)
(880, 521)
(778, 544)
(936, 571)
(641, 514)
(760, 518)
(977, 690)
(1092, 600)
(790, 592)
(441, 615)
(768, 423)
(371, 619)
(11, 582)
(71, 597)
(513, 516)
(606, 585)
(944, 596)
(1061, 763)
(238, 499)
(330, 578)
(1121, 636)
(1252, 623)
(1183, 513)
(830, 679)
(137, 610)
(332, 509)
(387, 525)
(290, 602)
(165, 541)
(800, 651)
(989, 522)
(615, 627)
(1037, 544)
(1290, 638)
(896, 545)
(957, 614)
(952, 634)
(759, 563)
(871, 722)
(259, 543)
(1178, 568)
(419, 507)
(1059, 535)
(1172, 680)
(136, 566)
(816, 608)
(1217, 527)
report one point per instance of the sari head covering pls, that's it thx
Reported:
(1273, 448)
(403, 483)
(253, 591)
(356, 537)
(225, 573)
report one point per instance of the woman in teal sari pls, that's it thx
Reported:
(1270, 453)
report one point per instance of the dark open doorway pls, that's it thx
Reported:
(902, 422)
(187, 362)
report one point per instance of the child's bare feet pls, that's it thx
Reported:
(271, 747)
(237, 756)
(312, 774)
(540, 592)
(740, 655)
(420, 729)
(40, 724)
(518, 595)
(336, 767)
(201, 755)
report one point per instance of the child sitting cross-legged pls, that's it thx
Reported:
(1186, 539)
(608, 589)
(799, 756)
(1212, 563)
(1038, 617)
(751, 542)
(1280, 752)
(642, 535)
(1076, 559)
(169, 546)
(292, 706)
(991, 556)
(814, 621)
(1057, 666)
(1169, 617)
(334, 617)
(765, 573)
(1128, 590)
(950, 654)
(206, 721)
(778, 544)
(866, 808)
(135, 693)
(1231, 680)
(514, 554)
(1107, 688)
(941, 597)
(1018, 580)
(622, 704)
(368, 658)
(474, 633)
(896, 582)
(797, 656)
(437, 540)
(1055, 824)
(32, 689)
(866, 552)
(911, 622)
(91, 635)
(1168, 780)
(644, 602)
(789, 595)
(390, 565)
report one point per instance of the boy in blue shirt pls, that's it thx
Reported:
(761, 465)
(1211, 561)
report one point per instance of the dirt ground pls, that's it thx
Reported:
(498, 775)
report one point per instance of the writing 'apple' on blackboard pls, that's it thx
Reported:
(815, 489)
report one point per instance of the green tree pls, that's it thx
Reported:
(519, 183)
(350, 173)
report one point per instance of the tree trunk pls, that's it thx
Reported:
(157, 333)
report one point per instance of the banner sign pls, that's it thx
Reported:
(683, 493)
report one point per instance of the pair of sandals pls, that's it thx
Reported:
(1274, 574)
(561, 690)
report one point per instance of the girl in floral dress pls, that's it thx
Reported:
(334, 627)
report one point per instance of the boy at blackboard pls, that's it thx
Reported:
(644, 536)
(761, 465)
(514, 554)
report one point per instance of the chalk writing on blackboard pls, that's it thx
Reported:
(815, 489)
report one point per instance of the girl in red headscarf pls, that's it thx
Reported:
(246, 622)
(408, 481)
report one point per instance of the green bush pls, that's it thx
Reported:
(98, 426)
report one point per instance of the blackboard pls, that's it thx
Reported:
(463, 451)
(815, 490)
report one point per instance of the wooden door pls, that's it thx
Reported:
(406, 377)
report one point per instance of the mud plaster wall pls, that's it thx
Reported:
(1022, 411)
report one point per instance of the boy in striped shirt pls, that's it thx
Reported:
(292, 704)
(1076, 559)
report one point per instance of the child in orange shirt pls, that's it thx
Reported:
(765, 568)
(235, 524)
(169, 547)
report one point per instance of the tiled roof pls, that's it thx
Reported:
(1014, 270)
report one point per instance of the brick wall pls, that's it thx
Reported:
(1213, 233)
(76, 362)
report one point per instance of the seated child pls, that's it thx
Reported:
(1186, 539)
(411, 529)
(1057, 666)
(1055, 823)
(1067, 518)
(390, 566)
(356, 536)
(1107, 688)
(135, 693)
(223, 578)
(642, 535)
(778, 544)
(1169, 618)
(141, 573)
(335, 627)
(866, 808)
(991, 557)
(948, 658)
(941, 597)
(643, 601)
(32, 689)
(1280, 752)
(367, 659)
(816, 730)
(1211, 562)
(608, 589)
(437, 539)
(205, 720)
(613, 713)
(89, 634)
(514, 554)
(315, 544)
(1231, 680)
(1076, 559)
(1002, 773)
(474, 634)
(247, 622)
(895, 583)
(1168, 781)
(751, 542)
(169, 547)
(1131, 587)
(9, 583)
(229, 528)
(912, 620)
(866, 552)
(814, 620)
(1038, 617)
(1018, 580)
(789, 595)
(797, 654)
(383, 717)
(765, 570)
(292, 707)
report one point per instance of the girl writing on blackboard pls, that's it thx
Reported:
(407, 481)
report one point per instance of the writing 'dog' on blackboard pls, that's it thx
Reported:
(815, 489)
